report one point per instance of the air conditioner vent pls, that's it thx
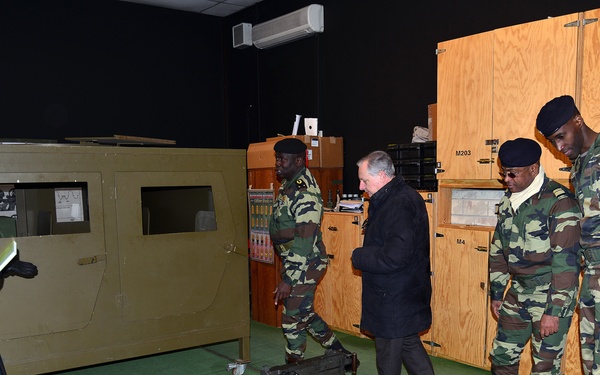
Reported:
(292, 26)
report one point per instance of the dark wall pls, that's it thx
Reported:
(369, 77)
(72, 68)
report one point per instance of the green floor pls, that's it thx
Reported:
(266, 349)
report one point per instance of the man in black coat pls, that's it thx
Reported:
(394, 261)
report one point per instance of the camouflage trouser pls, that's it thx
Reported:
(519, 321)
(589, 316)
(299, 314)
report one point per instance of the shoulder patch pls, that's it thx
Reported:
(300, 184)
(559, 193)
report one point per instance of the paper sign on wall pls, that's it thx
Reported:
(69, 204)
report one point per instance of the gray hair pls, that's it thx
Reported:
(378, 161)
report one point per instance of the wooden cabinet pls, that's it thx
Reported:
(430, 202)
(338, 297)
(533, 63)
(589, 103)
(491, 87)
(460, 303)
(464, 107)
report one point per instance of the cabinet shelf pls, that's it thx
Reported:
(476, 228)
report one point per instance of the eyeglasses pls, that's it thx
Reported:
(509, 174)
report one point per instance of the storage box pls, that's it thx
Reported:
(260, 155)
(432, 121)
(323, 152)
(416, 150)
(422, 182)
(425, 166)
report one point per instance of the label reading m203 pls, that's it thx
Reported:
(463, 152)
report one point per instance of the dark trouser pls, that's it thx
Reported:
(391, 353)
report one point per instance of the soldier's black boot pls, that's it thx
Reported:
(337, 345)
(290, 358)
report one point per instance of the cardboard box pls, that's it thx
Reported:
(323, 152)
(260, 155)
(432, 121)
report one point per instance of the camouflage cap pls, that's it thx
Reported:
(520, 152)
(555, 114)
(290, 146)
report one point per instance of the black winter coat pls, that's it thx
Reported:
(394, 261)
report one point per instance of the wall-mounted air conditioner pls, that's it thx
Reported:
(292, 26)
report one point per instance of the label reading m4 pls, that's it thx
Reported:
(463, 152)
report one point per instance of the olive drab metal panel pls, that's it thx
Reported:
(140, 250)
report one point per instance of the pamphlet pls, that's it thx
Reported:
(8, 250)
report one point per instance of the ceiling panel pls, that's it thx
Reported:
(219, 8)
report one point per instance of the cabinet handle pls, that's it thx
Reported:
(485, 161)
(482, 285)
(330, 256)
(482, 249)
(432, 344)
(332, 228)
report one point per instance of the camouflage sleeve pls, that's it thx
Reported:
(564, 234)
(307, 210)
(499, 275)
(587, 187)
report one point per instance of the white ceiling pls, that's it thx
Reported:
(220, 8)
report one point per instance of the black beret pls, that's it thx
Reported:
(520, 152)
(290, 146)
(555, 114)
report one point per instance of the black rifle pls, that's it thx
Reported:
(331, 363)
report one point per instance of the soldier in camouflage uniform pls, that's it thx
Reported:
(536, 242)
(561, 123)
(295, 230)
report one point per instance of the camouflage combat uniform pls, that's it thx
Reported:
(295, 229)
(585, 177)
(539, 247)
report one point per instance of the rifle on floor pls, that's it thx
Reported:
(331, 363)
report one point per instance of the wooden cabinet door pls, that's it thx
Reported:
(590, 80)
(430, 203)
(533, 63)
(465, 107)
(338, 298)
(460, 306)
